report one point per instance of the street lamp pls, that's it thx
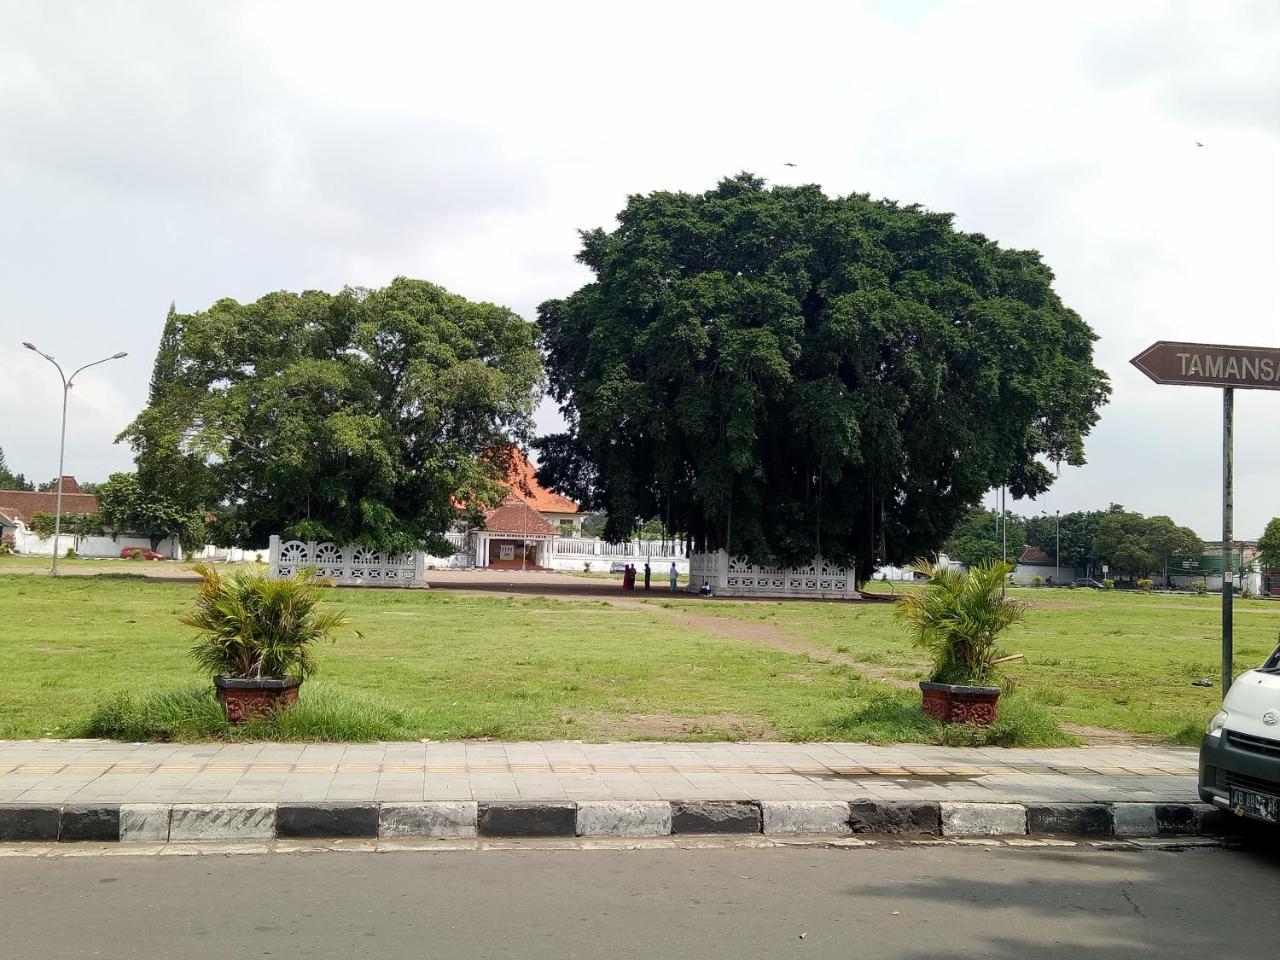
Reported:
(67, 383)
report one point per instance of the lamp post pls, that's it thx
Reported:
(67, 383)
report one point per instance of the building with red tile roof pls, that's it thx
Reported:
(519, 531)
(25, 504)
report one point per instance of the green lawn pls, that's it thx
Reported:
(446, 665)
(458, 666)
(1120, 660)
(27, 563)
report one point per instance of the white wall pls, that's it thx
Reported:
(26, 541)
(231, 554)
(659, 565)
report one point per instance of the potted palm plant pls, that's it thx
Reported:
(255, 637)
(958, 618)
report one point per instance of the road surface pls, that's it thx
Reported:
(910, 903)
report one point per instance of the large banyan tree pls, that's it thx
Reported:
(781, 373)
(364, 416)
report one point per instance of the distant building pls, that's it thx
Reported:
(19, 506)
(1246, 572)
(1034, 562)
(519, 533)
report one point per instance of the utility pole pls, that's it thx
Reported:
(67, 384)
(1228, 479)
(1057, 547)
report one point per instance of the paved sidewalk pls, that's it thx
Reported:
(93, 771)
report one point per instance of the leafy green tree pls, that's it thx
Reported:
(978, 537)
(126, 507)
(1075, 536)
(361, 417)
(1269, 545)
(10, 480)
(802, 374)
(1131, 543)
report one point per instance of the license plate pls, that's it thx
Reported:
(1245, 803)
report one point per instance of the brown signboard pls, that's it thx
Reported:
(1211, 365)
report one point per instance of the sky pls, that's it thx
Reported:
(176, 151)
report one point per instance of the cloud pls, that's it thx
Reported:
(187, 151)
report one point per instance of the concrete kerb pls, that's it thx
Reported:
(190, 822)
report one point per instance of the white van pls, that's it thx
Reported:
(1240, 752)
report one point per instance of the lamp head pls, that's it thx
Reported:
(29, 345)
(119, 356)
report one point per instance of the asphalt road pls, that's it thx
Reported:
(916, 903)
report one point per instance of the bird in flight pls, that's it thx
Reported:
(1199, 144)
(787, 164)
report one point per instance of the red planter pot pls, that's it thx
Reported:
(243, 699)
(960, 703)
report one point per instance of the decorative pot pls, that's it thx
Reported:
(245, 698)
(960, 703)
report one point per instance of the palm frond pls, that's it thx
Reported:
(958, 617)
(251, 626)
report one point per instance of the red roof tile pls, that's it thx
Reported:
(522, 478)
(515, 517)
(24, 504)
(1033, 555)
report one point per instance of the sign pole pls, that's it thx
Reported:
(1226, 366)
(1228, 469)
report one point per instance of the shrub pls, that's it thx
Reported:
(135, 554)
(586, 566)
(958, 617)
(1146, 586)
(71, 553)
(896, 717)
(1108, 584)
(1038, 582)
(254, 627)
(6, 545)
(194, 713)
(1201, 587)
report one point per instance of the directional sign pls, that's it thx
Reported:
(1211, 365)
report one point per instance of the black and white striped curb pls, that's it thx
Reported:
(183, 822)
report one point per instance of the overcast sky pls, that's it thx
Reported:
(164, 151)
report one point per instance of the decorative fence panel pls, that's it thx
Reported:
(736, 577)
(349, 566)
(588, 547)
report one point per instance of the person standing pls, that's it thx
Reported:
(674, 575)
(646, 576)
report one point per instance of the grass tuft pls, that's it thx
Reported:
(194, 713)
(885, 717)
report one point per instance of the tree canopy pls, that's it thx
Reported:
(978, 538)
(358, 417)
(1074, 533)
(125, 507)
(1269, 545)
(801, 374)
(1131, 543)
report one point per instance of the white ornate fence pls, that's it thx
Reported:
(589, 547)
(350, 566)
(736, 577)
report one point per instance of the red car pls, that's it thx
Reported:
(127, 554)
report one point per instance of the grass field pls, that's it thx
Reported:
(1119, 660)
(444, 665)
(454, 666)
